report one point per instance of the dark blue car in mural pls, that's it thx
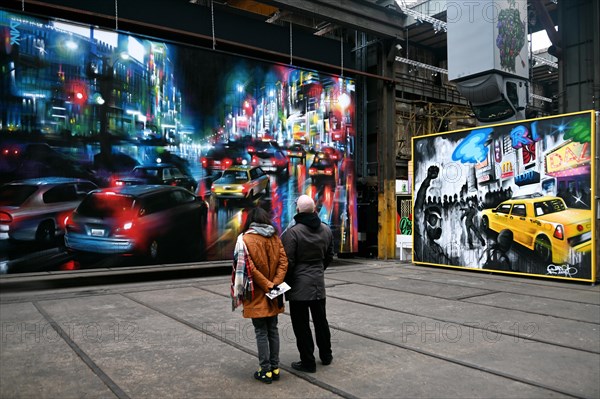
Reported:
(145, 220)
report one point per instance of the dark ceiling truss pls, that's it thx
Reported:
(358, 15)
(334, 19)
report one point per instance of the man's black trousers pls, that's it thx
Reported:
(299, 312)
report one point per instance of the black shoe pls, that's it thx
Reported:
(327, 361)
(301, 367)
(264, 376)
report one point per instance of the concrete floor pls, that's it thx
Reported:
(398, 330)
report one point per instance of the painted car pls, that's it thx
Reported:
(322, 168)
(543, 224)
(166, 174)
(333, 153)
(224, 155)
(20, 161)
(270, 160)
(34, 209)
(241, 182)
(145, 220)
(262, 145)
(296, 151)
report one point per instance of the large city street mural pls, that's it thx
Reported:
(515, 197)
(117, 149)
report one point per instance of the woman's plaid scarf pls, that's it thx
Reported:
(242, 286)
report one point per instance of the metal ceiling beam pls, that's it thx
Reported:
(355, 14)
(548, 24)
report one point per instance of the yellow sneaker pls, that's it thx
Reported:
(275, 376)
(264, 376)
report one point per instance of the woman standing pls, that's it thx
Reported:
(260, 266)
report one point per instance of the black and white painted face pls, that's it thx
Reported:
(433, 220)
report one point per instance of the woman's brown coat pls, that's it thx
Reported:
(268, 263)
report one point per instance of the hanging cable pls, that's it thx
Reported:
(342, 54)
(23, 5)
(407, 55)
(212, 21)
(116, 14)
(290, 42)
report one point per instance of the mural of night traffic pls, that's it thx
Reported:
(123, 150)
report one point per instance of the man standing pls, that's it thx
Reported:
(470, 215)
(309, 248)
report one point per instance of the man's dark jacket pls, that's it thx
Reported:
(309, 248)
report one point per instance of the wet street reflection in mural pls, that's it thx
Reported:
(118, 150)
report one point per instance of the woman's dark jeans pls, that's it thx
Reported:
(267, 340)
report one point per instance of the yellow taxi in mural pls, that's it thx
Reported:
(543, 224)
(241, 182)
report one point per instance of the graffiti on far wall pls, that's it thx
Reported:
(515, 197)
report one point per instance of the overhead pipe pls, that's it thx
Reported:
(546, 20)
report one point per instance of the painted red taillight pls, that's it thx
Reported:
(126, 227)
(70, 226)
(227, 162)
(579, 227)
(329, 171)
(312, 171)
(5, 217)
(70, 265)
(251, 149)
(204, 162)
(559, 232)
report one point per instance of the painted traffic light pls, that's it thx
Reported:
(77, 93)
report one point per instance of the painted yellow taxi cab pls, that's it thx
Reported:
(543, 224)
(241, 182)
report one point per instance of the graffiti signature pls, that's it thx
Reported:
(561, 270)
(405, 226)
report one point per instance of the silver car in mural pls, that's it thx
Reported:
(35, 209)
